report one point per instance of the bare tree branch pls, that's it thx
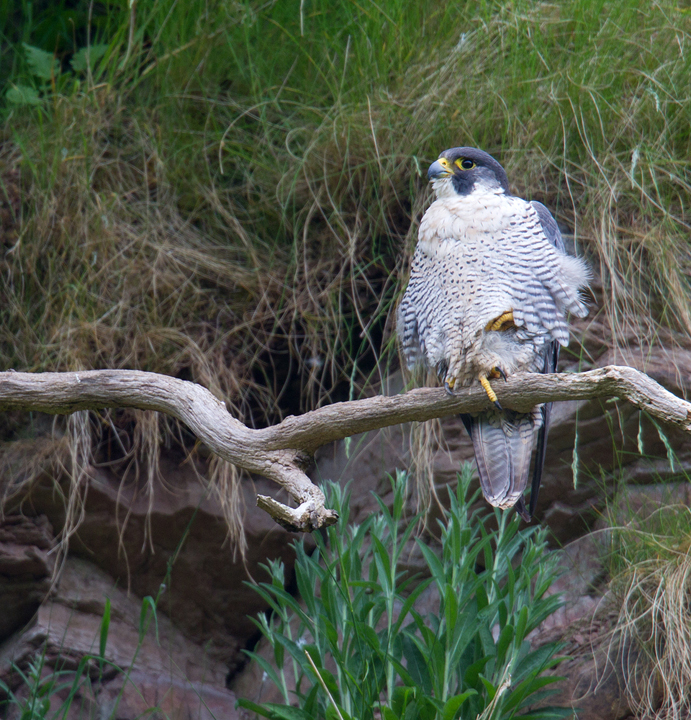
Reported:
(283, 452)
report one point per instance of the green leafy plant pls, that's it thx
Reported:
(358, 646)
(45, 71)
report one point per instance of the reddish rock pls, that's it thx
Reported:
(206, 594)
(158, 668)
(25, 569)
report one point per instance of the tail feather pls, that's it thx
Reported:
(503, 444)
(546, 411)
(550, 366)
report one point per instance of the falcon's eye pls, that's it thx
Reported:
(465, 164)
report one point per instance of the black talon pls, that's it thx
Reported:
(498, 406)
(448, 389)
(501, 372)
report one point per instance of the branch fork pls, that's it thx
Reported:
(283, 452)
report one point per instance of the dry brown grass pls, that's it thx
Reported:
(651, 587)
(107, 271)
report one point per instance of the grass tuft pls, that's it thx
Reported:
(651, 566)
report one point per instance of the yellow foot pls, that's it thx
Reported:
(503, 322)
(496, 373)
(490, 393)
(449, 384)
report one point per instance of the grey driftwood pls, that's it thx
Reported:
(283, 452)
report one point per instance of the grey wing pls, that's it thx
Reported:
(413, 313)
(549, 226)
(406, 323)
(553, 234)
(547, 282)
(577, 272)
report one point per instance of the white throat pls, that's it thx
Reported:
(443, 188)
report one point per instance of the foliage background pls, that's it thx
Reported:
(229, 191)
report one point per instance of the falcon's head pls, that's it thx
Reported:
(464, 170)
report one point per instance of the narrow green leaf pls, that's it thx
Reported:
(383, 554)
(403, 673)
(505, 638)
(249, 705)
(452, 705)
(310, 704)
(482, 601)
(336, 714)
(489, 687)
(105, 625)
(401, 698)
(148, 604)
(472, 674)
(279, 654)
(550, 713)
(502, 612)
(331, 632)
(266, 666)
(510, 582)
(410, 601)
(527, 689)
(450, 606)
(535, 661)
(286, 712)
(521, 624)
(417, 664)
(369, 635)
(433, 562)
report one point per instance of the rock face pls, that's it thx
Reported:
(203, 614)
(145, 667)
(206, 591)
(25, 569)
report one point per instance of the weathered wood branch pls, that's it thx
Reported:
(283, 452)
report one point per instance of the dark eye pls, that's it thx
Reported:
(467, 164)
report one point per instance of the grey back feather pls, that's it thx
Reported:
(549, 226)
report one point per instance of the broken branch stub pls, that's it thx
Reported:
(283, 452)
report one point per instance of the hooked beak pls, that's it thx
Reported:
(437, 170)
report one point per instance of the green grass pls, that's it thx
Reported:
(239, 184)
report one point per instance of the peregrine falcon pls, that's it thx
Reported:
(489, 292)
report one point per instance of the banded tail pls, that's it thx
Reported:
(503, 445)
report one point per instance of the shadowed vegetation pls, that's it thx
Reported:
(230, 192)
